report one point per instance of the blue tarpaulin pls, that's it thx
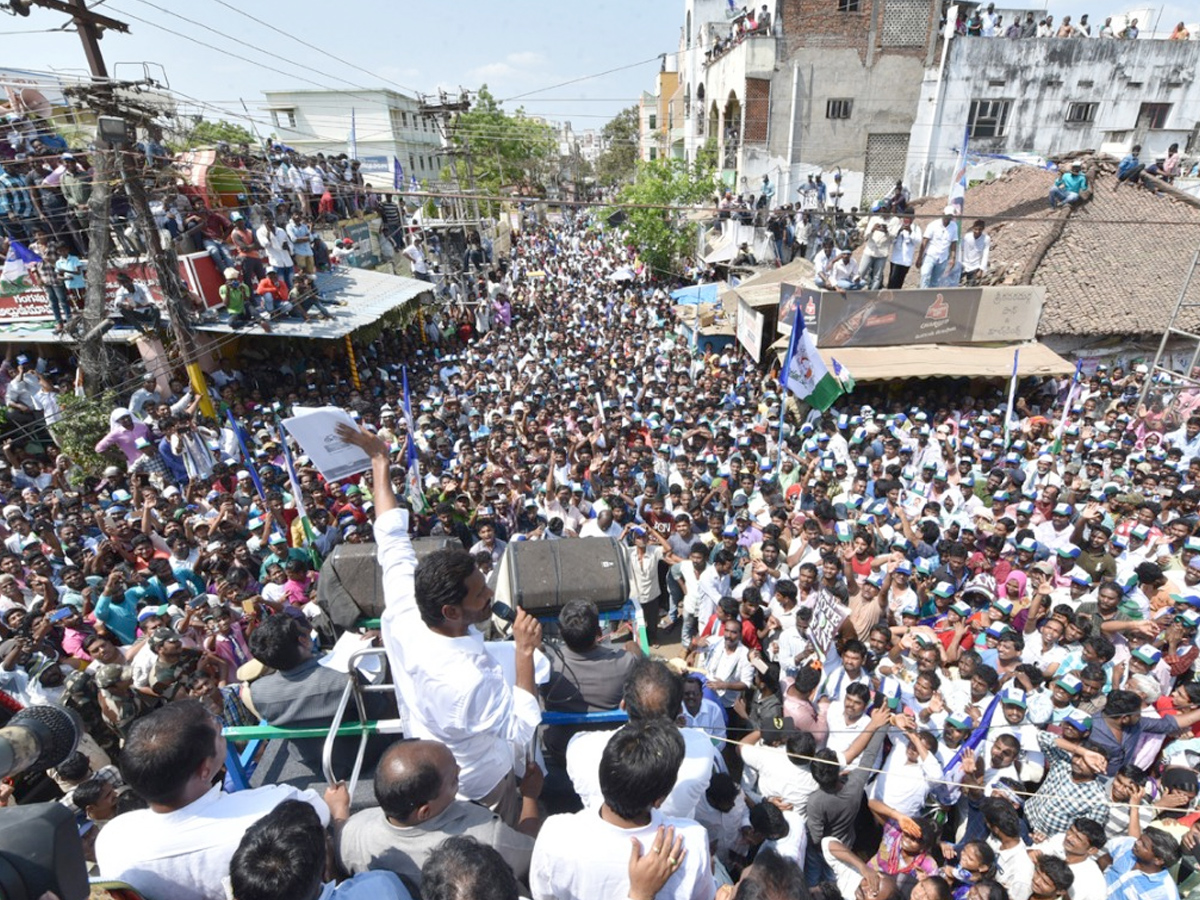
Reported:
(696, 294)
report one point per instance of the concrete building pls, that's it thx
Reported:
(1044, 96)
(832, 87)
(656, 114)
(589, 143)
(386, 125)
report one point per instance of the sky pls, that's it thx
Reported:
(515, 48)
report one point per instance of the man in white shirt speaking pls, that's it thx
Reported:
(450, 687)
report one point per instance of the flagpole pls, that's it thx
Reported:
(1062, 422)
(797, 327)
(1012, 393)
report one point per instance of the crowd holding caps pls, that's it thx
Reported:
(916, 648)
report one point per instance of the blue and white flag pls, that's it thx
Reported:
(1012, 394)
(958, 187)
(413, 490)
(416, 185)
(397, 175)
(843, 375)
(19, 261)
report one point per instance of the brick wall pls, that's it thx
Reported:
(817, 23)
(758, 109)
(813, 24)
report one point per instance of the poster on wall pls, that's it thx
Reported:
(998, 314)
(750, 323)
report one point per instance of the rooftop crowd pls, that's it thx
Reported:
(264, 238)
(916, 649)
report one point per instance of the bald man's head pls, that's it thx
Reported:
(652, 691)
(415, 781)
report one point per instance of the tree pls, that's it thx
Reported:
(618, 162)
(661, 233)
(505, 149)
(207, 133)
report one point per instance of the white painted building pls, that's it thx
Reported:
(386, 125)
(829, 89)
(1046, 96)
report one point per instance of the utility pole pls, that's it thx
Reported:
(162, 256)
(93, 355)
(445, 113)
(102, 97)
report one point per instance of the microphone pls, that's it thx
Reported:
(503, 611)
(38, 737)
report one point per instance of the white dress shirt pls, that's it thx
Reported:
(903, 785)
(580, 856)
(1089, 880)
(711, 587)
(722, 665)
(905, 244)
(842, 733)
(450, 689)
(779, 776)
(272, 240)
(583, 768)
(185, 854)
(710, 719)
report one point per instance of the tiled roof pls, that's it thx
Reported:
(1106, 273)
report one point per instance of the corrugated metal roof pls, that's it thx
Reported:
(366, 293)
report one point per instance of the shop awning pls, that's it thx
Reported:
(698, 293)
(368, 295)
(943, 360)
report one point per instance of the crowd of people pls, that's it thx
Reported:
(982, 21)
(911, 646)
(744, 23)
(266, 242)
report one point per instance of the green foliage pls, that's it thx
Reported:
(706, 156)
(207, 133)
(618, 162)
(506, 149)
(662, 236)
(84, 422)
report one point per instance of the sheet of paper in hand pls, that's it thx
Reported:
(316, 433)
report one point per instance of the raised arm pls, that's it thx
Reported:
(395, 553)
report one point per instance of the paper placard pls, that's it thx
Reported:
(316, 433)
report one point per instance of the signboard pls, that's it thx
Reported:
(793, 297)
(24, 301)
(364, 249)
(375, 165)
(750, 324)
(828, 615)
(935, 316)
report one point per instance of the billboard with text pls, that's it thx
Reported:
(934, 316)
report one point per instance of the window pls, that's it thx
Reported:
(1081, 112)
(1087, 84)
(284, 118)
(847, 5)
(838, 109)
(988, 118)
(403, 119)
(421, 163)
(997, 82)
(1154, 114)
(653, 121)
(653, 154)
